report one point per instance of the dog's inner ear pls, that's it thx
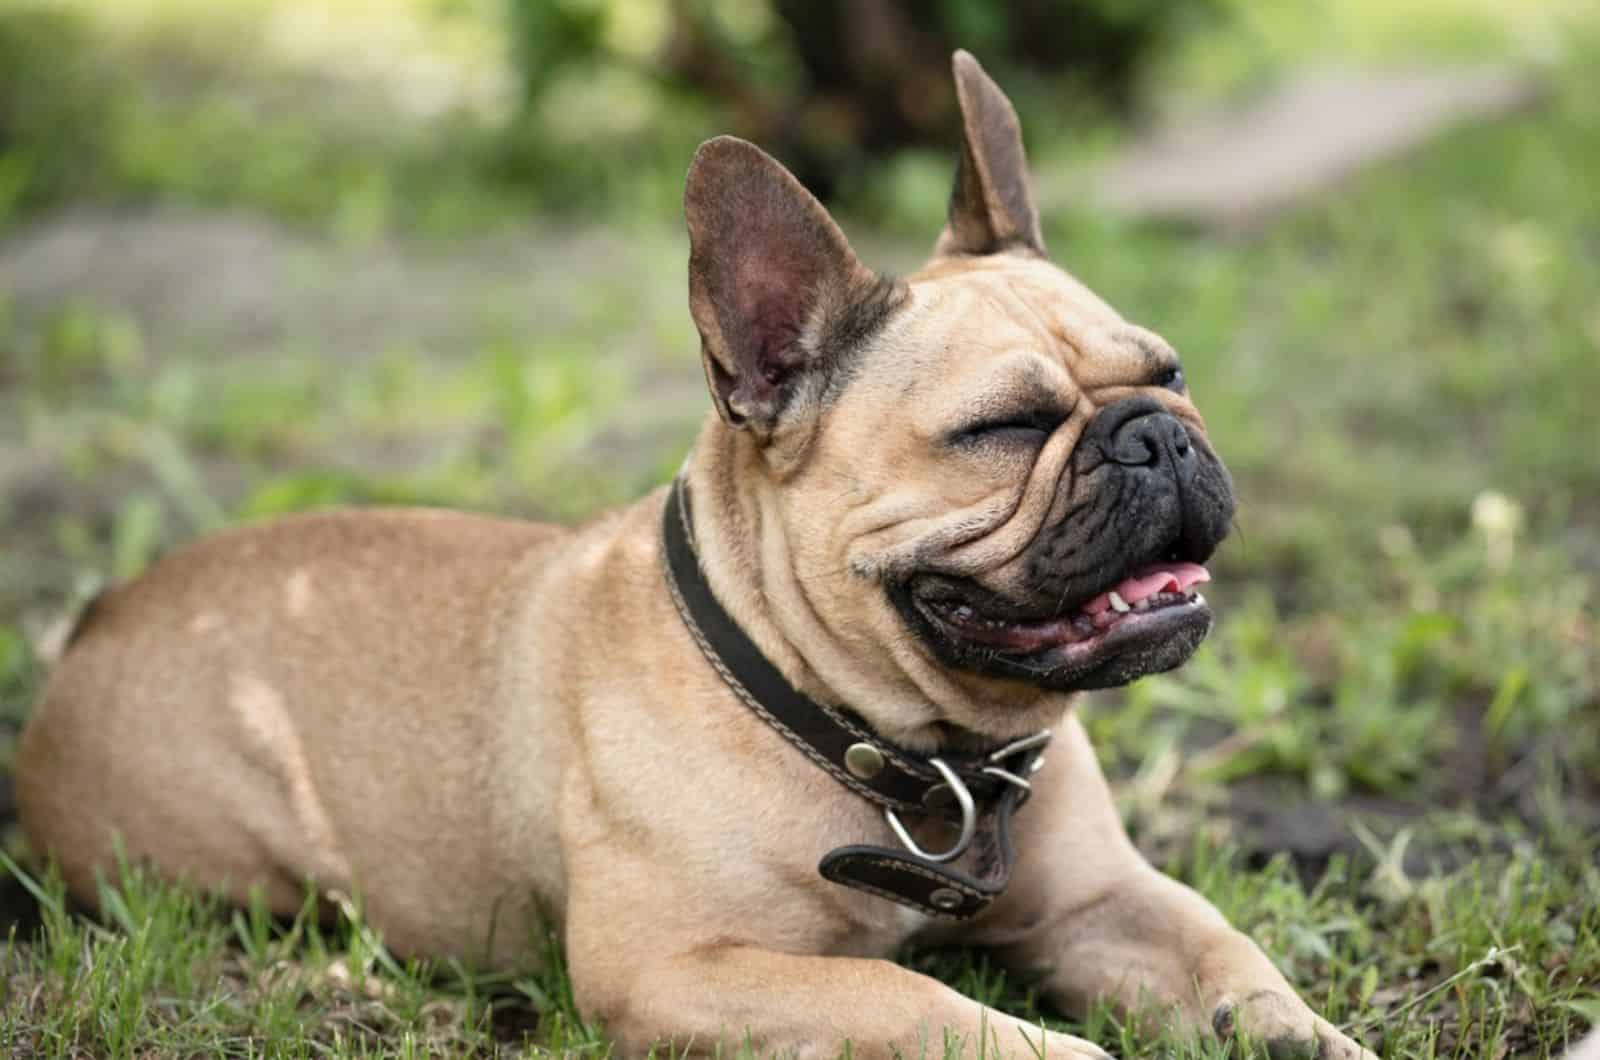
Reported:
(991, 208)
(774, 288)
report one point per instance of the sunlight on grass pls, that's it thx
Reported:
(425, 57)
(1266, 37)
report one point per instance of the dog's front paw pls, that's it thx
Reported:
(1288, 1029)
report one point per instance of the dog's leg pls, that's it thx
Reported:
(1154, 941)
(719, 999)
(1088, 910)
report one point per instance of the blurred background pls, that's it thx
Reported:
(263, 255)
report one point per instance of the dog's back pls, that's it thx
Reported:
(282, 649)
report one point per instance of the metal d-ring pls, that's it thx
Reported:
(1027, 743)
(969, 818)
(1008, 776)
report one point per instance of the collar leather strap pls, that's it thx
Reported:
(900, 781)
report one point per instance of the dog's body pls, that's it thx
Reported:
(475, 722)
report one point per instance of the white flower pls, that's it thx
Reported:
(1498, 518)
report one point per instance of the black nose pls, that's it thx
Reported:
(1140, 432)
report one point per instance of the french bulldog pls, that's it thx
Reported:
(924, 514)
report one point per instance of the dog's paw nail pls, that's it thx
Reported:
(1222, 1020)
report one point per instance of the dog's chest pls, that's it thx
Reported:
(870, 926)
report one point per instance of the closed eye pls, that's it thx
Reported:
(1032, 426)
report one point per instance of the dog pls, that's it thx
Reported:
(744, 739)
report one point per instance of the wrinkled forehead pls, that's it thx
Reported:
(1010, 315)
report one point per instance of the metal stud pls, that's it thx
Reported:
(946, 899)
(863, 760)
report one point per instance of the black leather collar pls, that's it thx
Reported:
(902, 782)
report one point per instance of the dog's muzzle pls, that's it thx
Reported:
(1108, 589)
(1144, 490)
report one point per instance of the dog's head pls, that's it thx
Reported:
(981, 472)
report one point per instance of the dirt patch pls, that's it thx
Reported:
(1238, 166)
(241, 285)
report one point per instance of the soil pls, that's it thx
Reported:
(18, 910)
(241, 286)
(1236, 167)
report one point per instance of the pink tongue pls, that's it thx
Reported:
(1158, 578)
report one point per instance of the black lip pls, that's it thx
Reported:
(928, 588)
(1141, 643)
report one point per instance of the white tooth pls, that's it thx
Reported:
(1118, 604)
(1199, 599)
(1142, 605)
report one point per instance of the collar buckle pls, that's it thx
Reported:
(1029, 755)
(995, 765)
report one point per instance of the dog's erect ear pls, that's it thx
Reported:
(991, 209)
(776, 291)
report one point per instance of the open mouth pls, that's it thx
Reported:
(1155, 588)
(1149, 621)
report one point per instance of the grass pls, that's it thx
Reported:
(1385, 764)
(173, 973)
(1494, 959)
